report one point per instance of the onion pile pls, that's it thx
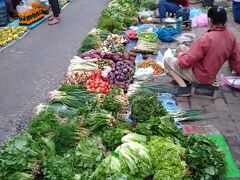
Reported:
(122, 75)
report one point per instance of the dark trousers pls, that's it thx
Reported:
(236, 11)
(55, 7)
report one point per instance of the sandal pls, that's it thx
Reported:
(52, 18)
(54, 21)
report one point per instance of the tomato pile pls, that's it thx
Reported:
(97, 83)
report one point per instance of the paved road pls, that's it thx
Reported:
(35, 65)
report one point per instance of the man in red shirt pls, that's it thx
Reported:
(171, 6)
(201, 62)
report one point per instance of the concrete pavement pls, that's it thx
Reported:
(36, 64)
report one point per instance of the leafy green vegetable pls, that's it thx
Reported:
(163, 126)
(144, 105)
(43, 125)
(57, 168)
(110, 102)
(110, 168)
(133, 137)
(58, 108)
(99, 120)
(86, 156)
(112, 137)
(19, 155)
(88, 43)
(149, 4)
(137, 158)
(167, 159)
(204, 158)
(65, 137)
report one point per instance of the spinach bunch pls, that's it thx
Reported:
(204, 158)
(19, 157)
(86, 156)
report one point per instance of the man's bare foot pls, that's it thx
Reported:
(54, 21)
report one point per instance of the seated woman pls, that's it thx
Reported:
(170, 6)
(236, 10)
(201, 62)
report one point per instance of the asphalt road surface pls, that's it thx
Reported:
(36, 64)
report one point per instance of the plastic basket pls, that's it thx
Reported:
(3, 14)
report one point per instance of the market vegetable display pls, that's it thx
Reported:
(77, 77)
(19, 156)
(114, 43)
(168, 163)
(79, 64)
(146, 47)
(122, 75)
(97, 83)
(32, 15)
(131, 34)
(9, 34)
(151, 63)
(205, 159)
(147, 36)
(140, 109)
(116, 56)
(94, 40)
(93, 130)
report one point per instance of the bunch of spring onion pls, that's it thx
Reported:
(73, 97)
(156, 88)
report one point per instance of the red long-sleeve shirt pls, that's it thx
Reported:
(184, 3)
(207, 55)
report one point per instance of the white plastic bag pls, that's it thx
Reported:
(160, 59)
(168, 53)
(138, 59)
(143, 74)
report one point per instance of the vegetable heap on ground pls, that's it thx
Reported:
(82, 135)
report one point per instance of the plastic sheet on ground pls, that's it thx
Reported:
(33, 25)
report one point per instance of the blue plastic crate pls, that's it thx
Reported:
(3, 14)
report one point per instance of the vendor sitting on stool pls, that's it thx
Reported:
(201, 62)
(170, 6)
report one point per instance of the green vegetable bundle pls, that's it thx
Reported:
(99, 120)
(168, 163)
(112, 137)
(145, 104)
(204, 158)
(19, 157)
(86, 156)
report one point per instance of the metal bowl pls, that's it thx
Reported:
(185, 37)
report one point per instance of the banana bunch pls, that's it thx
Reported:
(9, 34)
(63, 2)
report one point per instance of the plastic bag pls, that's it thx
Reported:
(202, 20)
(166, 34)
(160, 59)
(138, 59)
(143, 74)
(194, 12)
(168, 53)
(232, 81)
